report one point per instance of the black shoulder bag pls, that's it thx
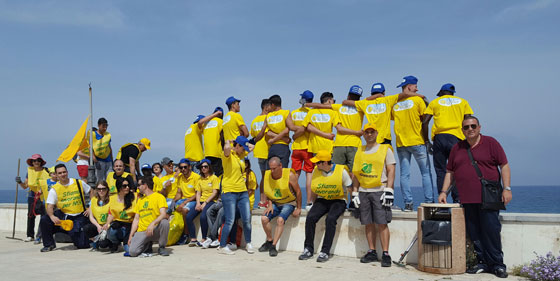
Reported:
(491, 190)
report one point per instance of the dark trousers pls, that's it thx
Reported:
(77, 234)
(442, 147)
(216, 164)
(333, 209)
(483, 228)
(281, 151)
(30, 218)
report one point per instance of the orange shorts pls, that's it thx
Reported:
(83, 171)
(301, 160)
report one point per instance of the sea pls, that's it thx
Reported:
(526, 199)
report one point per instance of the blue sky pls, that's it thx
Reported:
(154, 66)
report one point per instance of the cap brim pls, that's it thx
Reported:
(314, 160)
(402, 84)
(246, 148)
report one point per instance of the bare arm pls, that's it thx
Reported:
(506, 180)
(205, 120)
(134, 227)
(162, 215)
(260, 135)
(320, 133)
(446, 184)
(50, 213)
(425, 127)
(390, 175)
(345, 131)
(244, 131)
(318, 105)
(349, 103)
(110, 219)
(133, 168)
(227, 148)
(294, 187)
(279, 136)
(355, 183)
(372, 97)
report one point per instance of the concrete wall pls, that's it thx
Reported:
(522, 234)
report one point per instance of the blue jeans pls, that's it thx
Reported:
(421, 156)
(283, 211)
(117, 234)
(192, 214)
(232, 201)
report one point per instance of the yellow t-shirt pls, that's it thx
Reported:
(211, 133)
(112, 182)
(187, 184)
(261, 147)
(193, 143)
(449, 112)
(251, 185)
(233, 179)
(172, 190)
(276, 122)
(378, 111)
(352, 119)
(408, 121)
(206, 186)
(232, 121)
(116, 209)
(324, 120)
(298, 116)
(157, 184)
(100, 213)
(147, 208)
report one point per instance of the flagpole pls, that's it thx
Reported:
(91, 169)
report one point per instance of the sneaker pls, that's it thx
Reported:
(126, 254)
(477, 269)
(48, 249)
(249, 248)
(273, 252)
(145, 255)
(162, 252)
(93, 249)
(305, 255)
(215, 244)
(265, 246)
(500, 272)
(232, 246)
(183, 239)
(308, 207)
(370, 256)
(206, 243)
(37, 241)
(114, 248)
(386, 260)
(408, 207)
(28, 239)
(226, 251)
(193, 243)
(323, 257)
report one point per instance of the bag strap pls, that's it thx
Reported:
(473, 162)
(81, 194)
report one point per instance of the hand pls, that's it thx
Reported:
(429, 147)
(442, 198)
(55, 219)
(150, 230)
(296, 212)
(330, 136)
(99, 229)
(356, 199)
(506, 196)
(18, 180)
(270, 142)
(129, 239)
(387, 198)
(268, 210)
(359, 133)
(199, 207)
(86, 213)
(105, 226)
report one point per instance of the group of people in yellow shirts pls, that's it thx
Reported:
(214, 179)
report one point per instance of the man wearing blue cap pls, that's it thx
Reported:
(193, 142)
(213, 139)
(448, 111)
(233, 121)
(408, 114)
(261, 146)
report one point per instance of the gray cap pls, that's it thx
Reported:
(166, 160)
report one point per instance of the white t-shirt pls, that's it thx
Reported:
(52, 198)
(389, 160)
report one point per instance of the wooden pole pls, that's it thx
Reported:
(15, 207)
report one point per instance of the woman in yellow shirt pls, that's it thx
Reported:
(98, 213)
(250, 182)
(206, 194)
(121, 214)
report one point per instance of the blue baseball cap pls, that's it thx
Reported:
(356, 90)
(308, 95)
(377, 88)
(145, 166)
(408, 80)
(198, 118)
(447, 87)
(241, 140)
(231, 100)
(185, 161)
(219, 109)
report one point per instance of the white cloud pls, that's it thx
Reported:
(524, 9)
(74, 13)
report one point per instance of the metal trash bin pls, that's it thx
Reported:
(442, 248)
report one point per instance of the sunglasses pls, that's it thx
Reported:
(472, 126)
(37, 160)
(205, 166)
(102, 189)
(183, 167)
(125, 185)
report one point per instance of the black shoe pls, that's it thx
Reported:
(272, 252)
(370, 256)
(408, 207)
(114, 248)
(265, 247)
(48, 249)
(162, 252)
(477, 269)
(500, 272)
(386, 260)
(323, 257)
(305, 255)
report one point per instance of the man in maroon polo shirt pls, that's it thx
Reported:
(483, 226)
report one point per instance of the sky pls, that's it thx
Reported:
(154, 66)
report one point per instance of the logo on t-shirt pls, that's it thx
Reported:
(299, 116)
(403, 105)
(348, 110)
(257, 126)
(275, 119)
(376, 108)
(188, 131)
(320, 118)
(145, 205)
(449, 101)
(211, 124)
(227, 119)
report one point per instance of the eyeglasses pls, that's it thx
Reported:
(472, 126)
(183, 167)
(37, 160)
(204, 166)
(102, 189)
(125, 185)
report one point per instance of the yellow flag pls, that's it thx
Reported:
(78, 143)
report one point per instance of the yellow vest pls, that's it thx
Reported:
(330, 187)
(100, 213)
(278, 190)
(111, 181)
(34, 178)
(137, 157)
(69, 200)
(369, 166)
(117, 209)
(101, 148)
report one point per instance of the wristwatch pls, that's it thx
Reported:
(507, 188)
